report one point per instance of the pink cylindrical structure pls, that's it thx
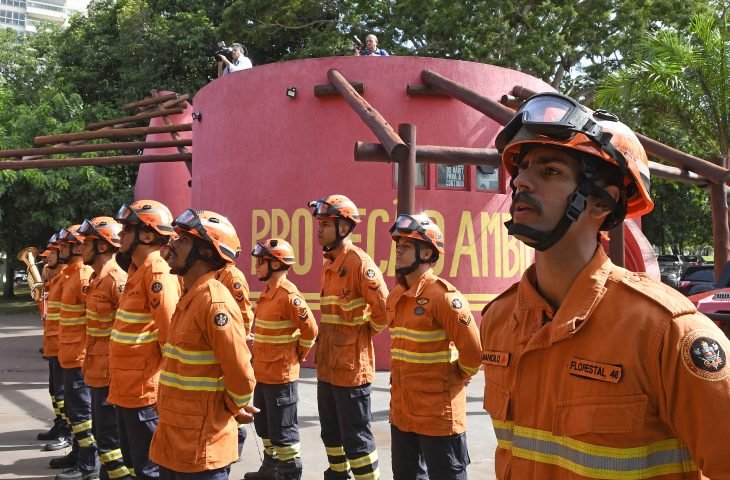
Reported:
(265, 146)
(166, 182)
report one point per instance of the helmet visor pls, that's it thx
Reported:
(88, 229)
(66, 235)
(406, 224)
(127, 215)
(323, 209)
(259, 251)
(190, 221)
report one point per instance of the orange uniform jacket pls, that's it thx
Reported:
(284, 331)
(102, 301)
(434, 349)
(139, 330)
(53, 314)
(206, 379)
(625, 380)
(72, 322)
(353, 310)
(236, 283)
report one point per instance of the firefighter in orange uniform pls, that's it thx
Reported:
(353, 310)
(284, 331)
(139, 330)
(207, 381)
(101, 242)
(72, 351)
(435, 351)
(236, 283)
(593, 371)
(60, 434)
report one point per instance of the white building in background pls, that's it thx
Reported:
(24, 15)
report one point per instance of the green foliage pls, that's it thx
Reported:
(678, 91)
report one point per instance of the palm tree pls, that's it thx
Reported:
(680, 83)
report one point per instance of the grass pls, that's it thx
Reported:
(22, 303)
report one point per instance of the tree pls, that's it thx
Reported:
(36, 203)
(681, 79)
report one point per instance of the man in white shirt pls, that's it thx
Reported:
(239, 61)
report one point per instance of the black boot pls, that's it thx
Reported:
(66, 461)
(289, 470)
(267, 470)
(51, 434)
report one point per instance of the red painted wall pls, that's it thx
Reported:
(166, 182)
(260, 156)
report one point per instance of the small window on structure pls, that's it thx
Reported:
(487, 178)
(451, 176)
(420, 175)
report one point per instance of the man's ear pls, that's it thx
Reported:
(146, 236)
(344, 227)
(426, 253)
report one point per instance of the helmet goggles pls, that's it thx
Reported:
(560, 117)
(323, 209)
(127, 215)
(259, 251)
(407, 224)
(189, 221)
(66, 235)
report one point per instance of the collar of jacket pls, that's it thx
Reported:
(198, 285)
(584, 295)
(337, 256)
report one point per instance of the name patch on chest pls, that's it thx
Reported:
(498, 359)
(595, 371)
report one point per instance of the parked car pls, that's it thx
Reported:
(20, 277)
(670, 269)
(716, 305)
(689, 260)
(697, 279)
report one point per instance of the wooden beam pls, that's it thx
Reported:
(95, 147)
(93, 161)
(111, 133)
(133, 118)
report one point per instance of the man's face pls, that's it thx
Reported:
(87, 251)
(178, 251)
(64, 250)
(405, 252)
(371, 42)
(127, 237)
(326, 233)
(545, 179)
(52, 259)
(236, 53)
(262, 268)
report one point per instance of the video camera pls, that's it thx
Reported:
(223, 50)
(356, 41)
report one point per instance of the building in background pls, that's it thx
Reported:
(24, 16)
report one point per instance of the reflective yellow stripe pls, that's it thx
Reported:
(67, 307)
(368, 476)
(273, 324)
(80, 427)
(55, 316)
(378, 327)
(444, 356)
(91, 315)
(205, 357)
(134, 338)
(365, 460)
(119, 472)
(306, 343)
(207, 384)
(338, 320)
(334, 451)
(257, 337)
(98, 332)
(468, 370)
(665, 457)
(69, 322)
(417, 335)
(340, 467)
(133, 317)
(288, 452)
(54, 304)
(85, 442)
(240, 400)
(347, 307)
(111, 455)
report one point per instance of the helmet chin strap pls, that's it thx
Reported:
(270, 270)
(577, 202)
(338, 238)
(403, 271)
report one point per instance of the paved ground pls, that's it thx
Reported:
(25, 410)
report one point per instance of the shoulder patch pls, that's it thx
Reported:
(221, 320)
(456, 304)
(704, 356)
(662, 295)
(120, 287)
(370, 273)
(296, 301)
(512, 288)
(156, 287)
(237, 285)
